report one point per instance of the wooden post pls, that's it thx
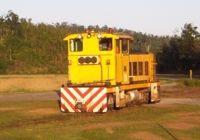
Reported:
(190, 74)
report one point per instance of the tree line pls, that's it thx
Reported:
(181, 53)
(28, 48)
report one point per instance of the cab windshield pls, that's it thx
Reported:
(105, 44)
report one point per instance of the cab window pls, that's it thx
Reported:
(105, 44)
(131, 46)
(124, 46)
(76, 45)
(117, 46)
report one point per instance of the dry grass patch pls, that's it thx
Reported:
(184, 121)
(180, 125)
(107, 126)
(44, 111)
(192, 117)
(143, 135)
(9, 108)
(163, 105)
(31, 83)
(189, 117)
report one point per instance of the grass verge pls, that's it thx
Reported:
(30, 83)
(190, 82)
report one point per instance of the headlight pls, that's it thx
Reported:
(99, 36)
(80, 36)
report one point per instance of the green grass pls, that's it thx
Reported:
(191, 133)
(190, 82)
(20, 123)
(182, 80)
(166, 80)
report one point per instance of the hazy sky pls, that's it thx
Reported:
(158, 17)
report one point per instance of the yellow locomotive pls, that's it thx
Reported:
(102, 73)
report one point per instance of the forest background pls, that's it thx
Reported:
(28, 48)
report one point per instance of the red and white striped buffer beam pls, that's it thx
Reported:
(83, 99)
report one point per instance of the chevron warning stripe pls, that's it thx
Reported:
(83, 99)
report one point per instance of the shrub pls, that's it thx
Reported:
(3, 67)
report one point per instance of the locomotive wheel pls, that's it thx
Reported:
(147, 97)
(111, 102)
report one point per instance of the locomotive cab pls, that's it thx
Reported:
(91, 58)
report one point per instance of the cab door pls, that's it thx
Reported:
(125, 60)
(122, 61)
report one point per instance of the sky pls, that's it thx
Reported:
(157, 17)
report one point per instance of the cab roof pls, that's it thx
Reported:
(124, 36)
(104, 34)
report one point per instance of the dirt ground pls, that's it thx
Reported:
(176, 91)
